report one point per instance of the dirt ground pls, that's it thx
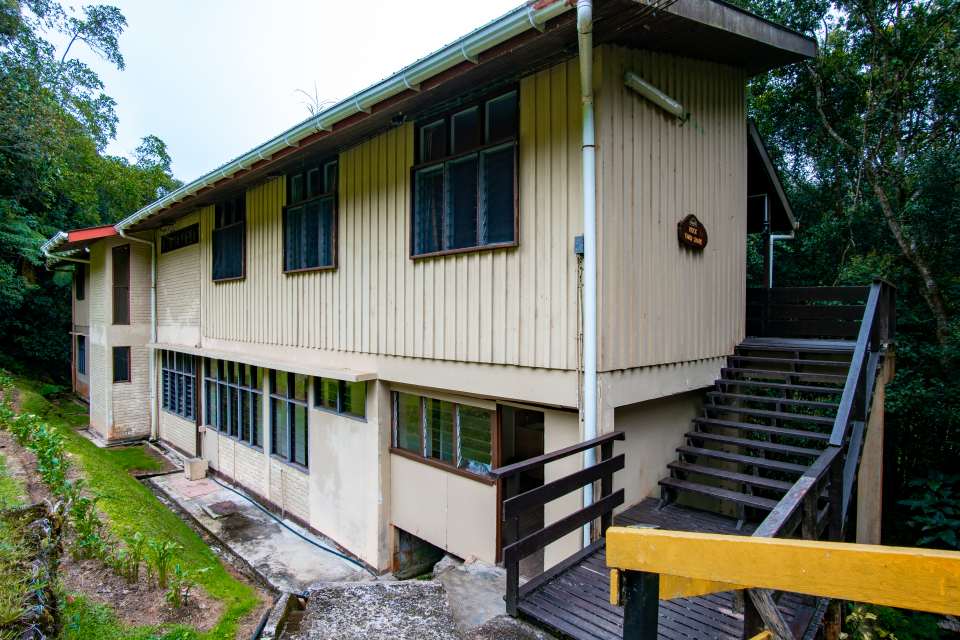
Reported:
(140, 604)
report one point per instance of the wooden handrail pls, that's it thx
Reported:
(559, 454)
(903, 577)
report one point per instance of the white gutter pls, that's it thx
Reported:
(512, 24)
(151, 353)
(589, 409)
(46, 247)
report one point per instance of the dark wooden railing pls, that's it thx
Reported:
(806, 312)
(516, 506)
(819, 500)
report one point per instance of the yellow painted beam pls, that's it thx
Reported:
(920, 579)
(674, 587)
(763, 635)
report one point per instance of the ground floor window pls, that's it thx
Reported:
(288, 417)
(179, 384)
(445, 432)
(340, 396)
(234, 400)
(82, 354)
(121, 364)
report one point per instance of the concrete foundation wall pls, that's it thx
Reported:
(179, 432)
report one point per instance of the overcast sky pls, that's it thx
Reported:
(214, 78)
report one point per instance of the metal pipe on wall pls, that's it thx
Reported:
(589, 171)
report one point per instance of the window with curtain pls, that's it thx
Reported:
(447, 433)
(178, 384)
(288, 417)
(234, 400)
(121, 284)
(465, 177)
(310, 218)
(229, 239)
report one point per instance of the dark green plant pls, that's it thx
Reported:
(160, 556)
(872, 622)
(935, 510)
(182, 583)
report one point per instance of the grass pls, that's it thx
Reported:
(12, 492)
(131, 507)
(13, 576)
(135, 458)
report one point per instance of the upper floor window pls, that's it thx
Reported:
(310, 218)
(465, 178)
(180, 238)
(234, 400)
(229, 239)
(121, 284)
(80, 281)
(348, 398)
(288, 416)
(179, 383)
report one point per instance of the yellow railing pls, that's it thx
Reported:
(652, 564)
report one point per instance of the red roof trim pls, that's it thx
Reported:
(93, 233)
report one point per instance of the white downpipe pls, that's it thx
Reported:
(151, 352)
(589, 409)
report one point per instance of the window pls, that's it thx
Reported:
(310, 219)
(234, 400)
(464, 180)
(288, 416)
(179, 383)
(121, 364)
(347, 398)
(446, 432)
(82, 355)
(80, 281)
(180, 238)
(229, 239)
(121, 284)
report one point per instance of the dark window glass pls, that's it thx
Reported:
(82, 355)
(299, 434)
(288, 417)
(121, 284)
(309, 220)
(474, 439)
(80, 281)
(465, 195)
(409, 425)
(234, 404)
(348, 398)
(280, 428)
(121, 364)
(428, 203)
(180, 238)
(229, 239)
(438, 429)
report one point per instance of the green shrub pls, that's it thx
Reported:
(935, 510)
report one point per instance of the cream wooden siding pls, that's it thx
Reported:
(660, 303)
(513, 306)
(178, 283)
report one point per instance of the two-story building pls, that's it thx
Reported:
(453, 270)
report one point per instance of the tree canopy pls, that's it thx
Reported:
(55, 123)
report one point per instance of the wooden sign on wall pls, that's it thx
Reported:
(691, 233)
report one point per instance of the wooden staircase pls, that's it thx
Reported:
(767, 419)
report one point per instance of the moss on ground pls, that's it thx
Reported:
(131, 507)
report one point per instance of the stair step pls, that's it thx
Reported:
(844, 349)
(770, 373)
(840, 364)
(776, 415)
(763, 463)
(733, 476)
(759, 445)
(764, 428)
(787, 386)
(722, 395)
(716, 492)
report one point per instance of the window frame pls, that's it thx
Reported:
(241, 198)
(80, 282)
(447, 117)
(211, 377)
(333, 194)
(181, 238)
(339, 411)
(120, 292)
(81, 355)
(420, 456)
(177, 379)
(290, 399)
(113, 365)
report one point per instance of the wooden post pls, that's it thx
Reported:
(836, 500)
(752, 621)
(511, 563)
(833, 620)
(640, 594)
(606, 487)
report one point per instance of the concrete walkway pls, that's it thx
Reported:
(285, 560)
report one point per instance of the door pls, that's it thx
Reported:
(521, 438)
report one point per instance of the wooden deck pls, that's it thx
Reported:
(575, 602)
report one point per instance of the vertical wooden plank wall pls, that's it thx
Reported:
(661, 303)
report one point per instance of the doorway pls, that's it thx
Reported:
(521, 438)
